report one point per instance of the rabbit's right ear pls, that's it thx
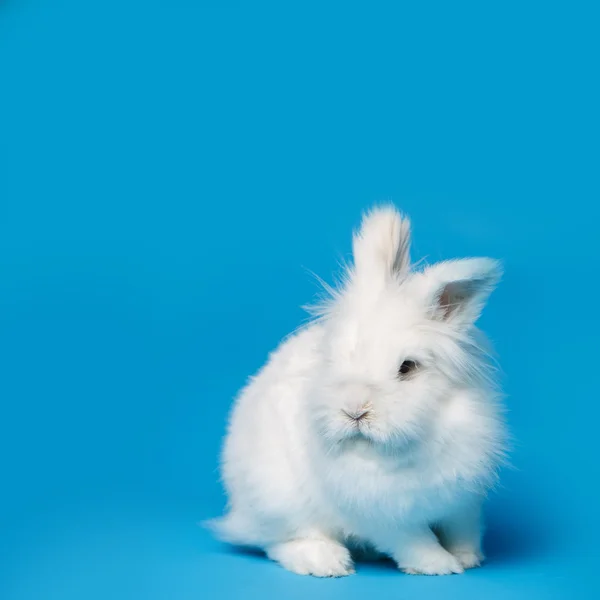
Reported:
(457, 290)
(381, 246)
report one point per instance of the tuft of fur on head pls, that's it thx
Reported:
(383, 239)
(381, 246)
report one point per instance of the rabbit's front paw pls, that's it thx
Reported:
(467, 557)
(317, 557)
(432, 561)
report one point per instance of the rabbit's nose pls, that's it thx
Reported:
(357, 415)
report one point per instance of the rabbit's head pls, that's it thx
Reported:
(398, 344)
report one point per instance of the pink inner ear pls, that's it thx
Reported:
(451, 297)
(444, 302)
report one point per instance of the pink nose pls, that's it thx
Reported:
(358, 415)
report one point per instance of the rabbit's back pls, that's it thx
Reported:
(264, 462)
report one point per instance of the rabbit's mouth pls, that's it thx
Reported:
(403, 452)
(365, 426)
(366, 432)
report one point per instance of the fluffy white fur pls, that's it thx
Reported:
(309, 483)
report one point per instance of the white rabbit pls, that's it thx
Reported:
(375, 426)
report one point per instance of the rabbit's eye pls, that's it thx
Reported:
(407, 367)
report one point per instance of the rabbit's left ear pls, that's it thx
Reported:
(381, 247)
(458, 290)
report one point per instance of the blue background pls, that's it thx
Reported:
(170, 171)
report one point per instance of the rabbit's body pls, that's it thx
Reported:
(332, 447)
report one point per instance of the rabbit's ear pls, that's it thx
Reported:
(458, 290)
(381, 246)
